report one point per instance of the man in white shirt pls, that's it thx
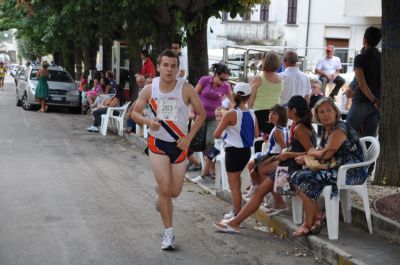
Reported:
(295, 82)
(176, 47)
(328, 69)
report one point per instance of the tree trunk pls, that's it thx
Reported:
(107, 50)
(68, 55)
(89, 55)
(78, 63)
(135, 61)
(58, 58)
(164, 37)
(388, 166)
(198, 53)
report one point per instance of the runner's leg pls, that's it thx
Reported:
(161, 167)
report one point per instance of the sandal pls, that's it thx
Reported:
(273, 211)
(302, 231)
(318, 225)
(225, 228)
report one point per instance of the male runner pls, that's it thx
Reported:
(168, 140)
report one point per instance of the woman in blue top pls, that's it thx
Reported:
(241, 128)
(339, 141)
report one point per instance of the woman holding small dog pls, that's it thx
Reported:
(339, 145)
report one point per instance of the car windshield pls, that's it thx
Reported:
(54, 76)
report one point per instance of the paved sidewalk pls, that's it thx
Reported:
(355, 244)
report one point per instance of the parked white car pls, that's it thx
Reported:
(62, 89)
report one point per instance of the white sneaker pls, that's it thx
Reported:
(92, 129)
(168, 242)
(229, 215)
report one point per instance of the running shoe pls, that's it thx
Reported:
(168, 242)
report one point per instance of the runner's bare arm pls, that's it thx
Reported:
(255, 84)
(137, 112)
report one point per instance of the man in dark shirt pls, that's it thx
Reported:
(364, 112)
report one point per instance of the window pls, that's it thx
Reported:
(292, 12)
(224, 16)
(264, 12)
(54, 76)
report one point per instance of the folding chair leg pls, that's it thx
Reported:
(332, 213)
(345, 200)
(297, 209)
(218, 172)
(366, 209)
(104, 125)
(120, 126)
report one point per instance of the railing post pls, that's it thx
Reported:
(246, 61)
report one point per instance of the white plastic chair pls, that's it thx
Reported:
(332, 205)
(116, 121)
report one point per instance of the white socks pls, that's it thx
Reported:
(169, 231)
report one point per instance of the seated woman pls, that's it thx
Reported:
(115, 101)
(338, 141)
(94, 92)
(301, 140)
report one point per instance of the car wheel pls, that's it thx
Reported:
(18, 101)
(25, 103)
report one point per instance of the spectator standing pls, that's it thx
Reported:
(240, 126)
(3, 71)
(266, 89)
(148, 69)
(42, 88)
(364, 113)
(83, 84)
(328, 69)
(169, 140)
(177, 46)
(211, 90)
(295, 82)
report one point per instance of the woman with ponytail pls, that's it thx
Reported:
(239, 127)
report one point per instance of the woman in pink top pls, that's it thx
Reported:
(212, 90)
(96, 90)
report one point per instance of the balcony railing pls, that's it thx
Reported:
(246, 30)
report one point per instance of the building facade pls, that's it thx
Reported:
(304, 25)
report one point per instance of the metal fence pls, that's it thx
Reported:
(246, 62)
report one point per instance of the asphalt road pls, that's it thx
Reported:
(68, 196)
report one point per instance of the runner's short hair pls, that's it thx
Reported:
(168, 53)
